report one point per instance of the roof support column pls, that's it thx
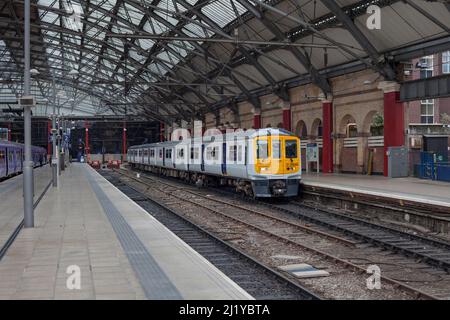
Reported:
(124, 141)
(287, 116)
(394, 118)
(161, 131)
(86, 143)
(327, 127)
(256, 118)
(28, 188)
(9, 131)
(49, 133)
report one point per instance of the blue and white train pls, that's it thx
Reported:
(259, 163)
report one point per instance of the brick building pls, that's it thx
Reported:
(432, 111)
(357, 116)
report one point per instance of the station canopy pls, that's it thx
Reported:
(177, 59)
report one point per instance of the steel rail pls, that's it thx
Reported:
(305, 292)
(416, 292)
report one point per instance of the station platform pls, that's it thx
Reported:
(87, 227)
(410, 189)
(11, 199)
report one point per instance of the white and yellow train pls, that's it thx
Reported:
(259, 163)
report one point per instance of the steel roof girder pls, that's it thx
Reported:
(377, 60)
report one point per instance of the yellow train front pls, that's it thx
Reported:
(259, 163)
(276, 171)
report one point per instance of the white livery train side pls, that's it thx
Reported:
(259, 163)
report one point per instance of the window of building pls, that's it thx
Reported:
(426, 67)
(352, 130)
(446, 62)
(427, 111)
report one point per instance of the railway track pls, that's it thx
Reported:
(428, 220)
(257, 279)
(294, 234)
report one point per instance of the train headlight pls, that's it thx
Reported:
(264, 169)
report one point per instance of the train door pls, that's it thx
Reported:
(164, 156)
(3, 167)
(291, 155)
(202, 166)
(277, 161)
(173, 156)
(224, 158)
(10, 161)
(20, 162)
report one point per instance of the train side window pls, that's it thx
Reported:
(160, 153)
(262, 149)
(232, 153)
(240, 154)
(196, 153)
(2, 156)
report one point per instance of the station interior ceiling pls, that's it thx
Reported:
(167, 60)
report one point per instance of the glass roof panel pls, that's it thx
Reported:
(221, 12)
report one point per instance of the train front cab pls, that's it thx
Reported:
(277, 167)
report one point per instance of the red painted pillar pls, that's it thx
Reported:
(287, 118)
(327, 127)
(161, 131)
(124, 141)
(86, 146)
(256, 119)
(9, 131)
(49, 131)
(394, 118)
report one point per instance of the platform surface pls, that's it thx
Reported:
(409, 188)
(11, 200)
(121, 251)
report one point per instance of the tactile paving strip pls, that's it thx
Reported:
(156, 284)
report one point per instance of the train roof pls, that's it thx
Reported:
(239, 134)
(16, 144)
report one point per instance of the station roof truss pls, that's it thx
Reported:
(169, 60)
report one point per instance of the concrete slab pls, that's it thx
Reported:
(412, 189)
(76, 225)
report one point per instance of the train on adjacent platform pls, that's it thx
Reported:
(259, 163)
(12, 157)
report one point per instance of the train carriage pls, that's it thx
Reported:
(260, 163)
(12, 157)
